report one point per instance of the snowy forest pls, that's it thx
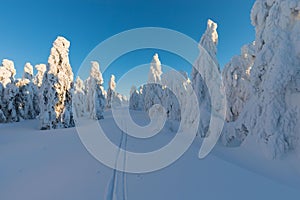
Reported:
(52, 93)
(262, 86)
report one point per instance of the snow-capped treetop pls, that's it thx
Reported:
(209, 40)
(133, 89)
(155, 70)
(96, 73)
(41, 69)
(61, 44)
(9, 66)
(28, 71)
(112, 83)
(58, 61)
(7, 72)
(79, 84)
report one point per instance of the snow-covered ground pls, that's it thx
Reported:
(48, 165)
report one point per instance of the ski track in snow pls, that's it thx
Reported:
(117, 187)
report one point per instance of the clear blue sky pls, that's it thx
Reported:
(28, 28)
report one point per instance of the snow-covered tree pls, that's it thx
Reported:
(56, 102)
(9, 91)
(111, 93)
(236, 79)
(79, 100)
(272, 112)
(2, 117)
(28, 72)
(7, 72)
(142, 97)
(114, 98)
(10, 103)
(202, 73)
(27, 97)
(173, 83)
(41, 69)
(96, 101)
(136, 100)
(153, 91)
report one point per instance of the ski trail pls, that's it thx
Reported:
(117, 187)
(124, 167)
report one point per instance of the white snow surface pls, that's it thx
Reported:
(53, 164)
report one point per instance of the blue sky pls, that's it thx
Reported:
(28, 28)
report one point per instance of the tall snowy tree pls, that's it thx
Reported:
(272, 113)
(27, 99)
(136, 100)
(56, 104)
(9, 91)
(96, 101)
(202, 73)
(79, 100)
(38, 81)
(41, 69)
(236, 79)
(2, 115)
(111, 93)
(173, 83)
(114, 98)
(153, 91)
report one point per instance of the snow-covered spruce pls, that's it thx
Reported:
(272, 113)
(179, 101)
(27, 99)
(153, 91)
(202, 74)
(111, 90)
(135, 99)
(170, 102)
(41, 69)
(236, 80)
(141, 98)
(56, 89)
(96, 100)
(38, 81)
(114, 98)
(79, 98)
(8, 91)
